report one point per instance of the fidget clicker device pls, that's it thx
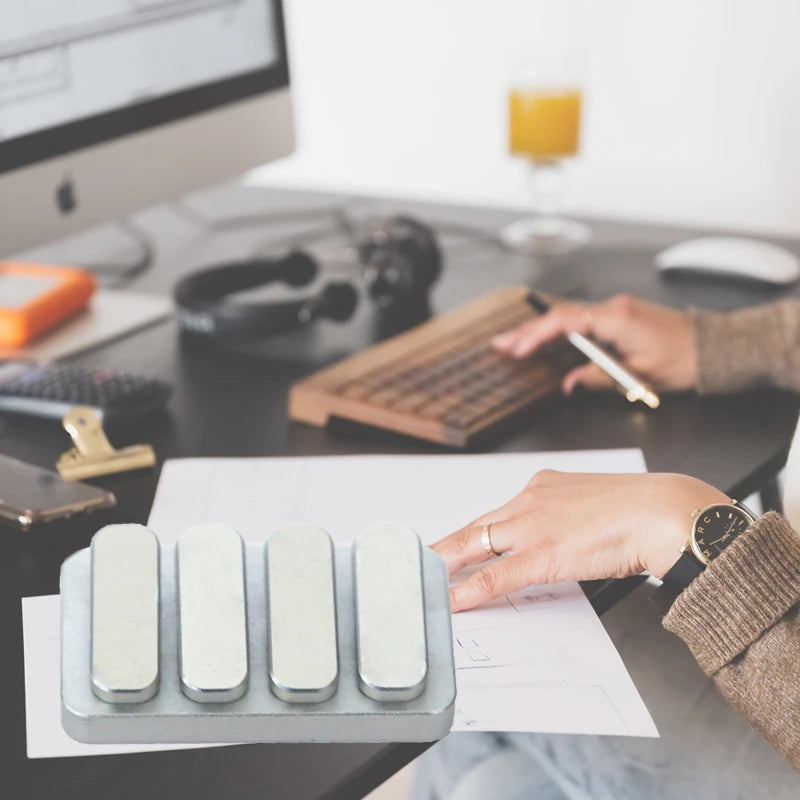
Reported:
(290, 640)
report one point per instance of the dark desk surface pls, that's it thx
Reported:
(233, 404)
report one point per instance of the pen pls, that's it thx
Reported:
(633, 388)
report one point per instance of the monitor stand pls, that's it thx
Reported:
(114, 253)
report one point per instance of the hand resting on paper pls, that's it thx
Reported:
(571, 526)
(654, 342)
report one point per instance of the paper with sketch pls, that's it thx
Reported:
(539, 660)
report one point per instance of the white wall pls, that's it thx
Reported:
(692, 110)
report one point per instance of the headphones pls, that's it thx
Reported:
(400, 261)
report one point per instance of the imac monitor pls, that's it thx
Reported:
(107, 106)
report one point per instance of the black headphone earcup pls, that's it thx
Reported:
(402, 261)
(337, 301)
(297, 269)
(422, 249)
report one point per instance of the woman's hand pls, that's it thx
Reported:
(653, 341)
(565, 526)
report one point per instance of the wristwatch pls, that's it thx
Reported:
(713, 529)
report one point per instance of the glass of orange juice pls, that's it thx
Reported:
(545, 101)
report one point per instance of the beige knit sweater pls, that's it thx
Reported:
(741, 617)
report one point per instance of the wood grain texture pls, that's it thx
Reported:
(372, 387)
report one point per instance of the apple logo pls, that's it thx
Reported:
(65, 196)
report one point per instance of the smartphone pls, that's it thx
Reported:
(30, 495)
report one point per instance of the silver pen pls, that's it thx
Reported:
(632, 387)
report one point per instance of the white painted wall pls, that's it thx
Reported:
(692, 106)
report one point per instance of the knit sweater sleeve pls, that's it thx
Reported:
(749, 347)
(741, 620)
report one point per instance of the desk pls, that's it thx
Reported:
(234, 405)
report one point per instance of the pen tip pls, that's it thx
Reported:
(647, 396)
(652, 399)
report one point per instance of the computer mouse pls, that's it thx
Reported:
(731, 256)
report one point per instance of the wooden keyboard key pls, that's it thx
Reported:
(439, 407)
(411, 402)
(355, 391)
(386, 397)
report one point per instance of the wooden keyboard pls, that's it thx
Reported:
(440, 381)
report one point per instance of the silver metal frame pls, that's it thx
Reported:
(113, 179)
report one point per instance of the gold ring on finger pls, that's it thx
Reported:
(486, 542)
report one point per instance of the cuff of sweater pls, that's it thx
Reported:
(741, 594)
(740, 349)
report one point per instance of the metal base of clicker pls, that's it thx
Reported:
(259, 716)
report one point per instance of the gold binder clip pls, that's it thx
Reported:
(93, 454)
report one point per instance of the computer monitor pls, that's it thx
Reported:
(107, 106)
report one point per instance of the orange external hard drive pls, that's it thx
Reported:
(34, 297)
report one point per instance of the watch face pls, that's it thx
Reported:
(715, 528)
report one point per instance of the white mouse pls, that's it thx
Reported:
(732, 256)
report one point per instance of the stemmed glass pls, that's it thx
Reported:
(545, 100)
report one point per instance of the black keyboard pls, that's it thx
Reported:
(52, 390)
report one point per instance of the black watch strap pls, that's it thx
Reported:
(683, 572)
(750, 513)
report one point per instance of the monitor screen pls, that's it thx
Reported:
(74, 73)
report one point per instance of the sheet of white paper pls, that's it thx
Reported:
(539, 660)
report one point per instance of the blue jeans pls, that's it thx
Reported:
(706, 750)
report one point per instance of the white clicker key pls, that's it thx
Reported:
(212, 614)
(303, 653)
(390, 613)
(125, 614)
